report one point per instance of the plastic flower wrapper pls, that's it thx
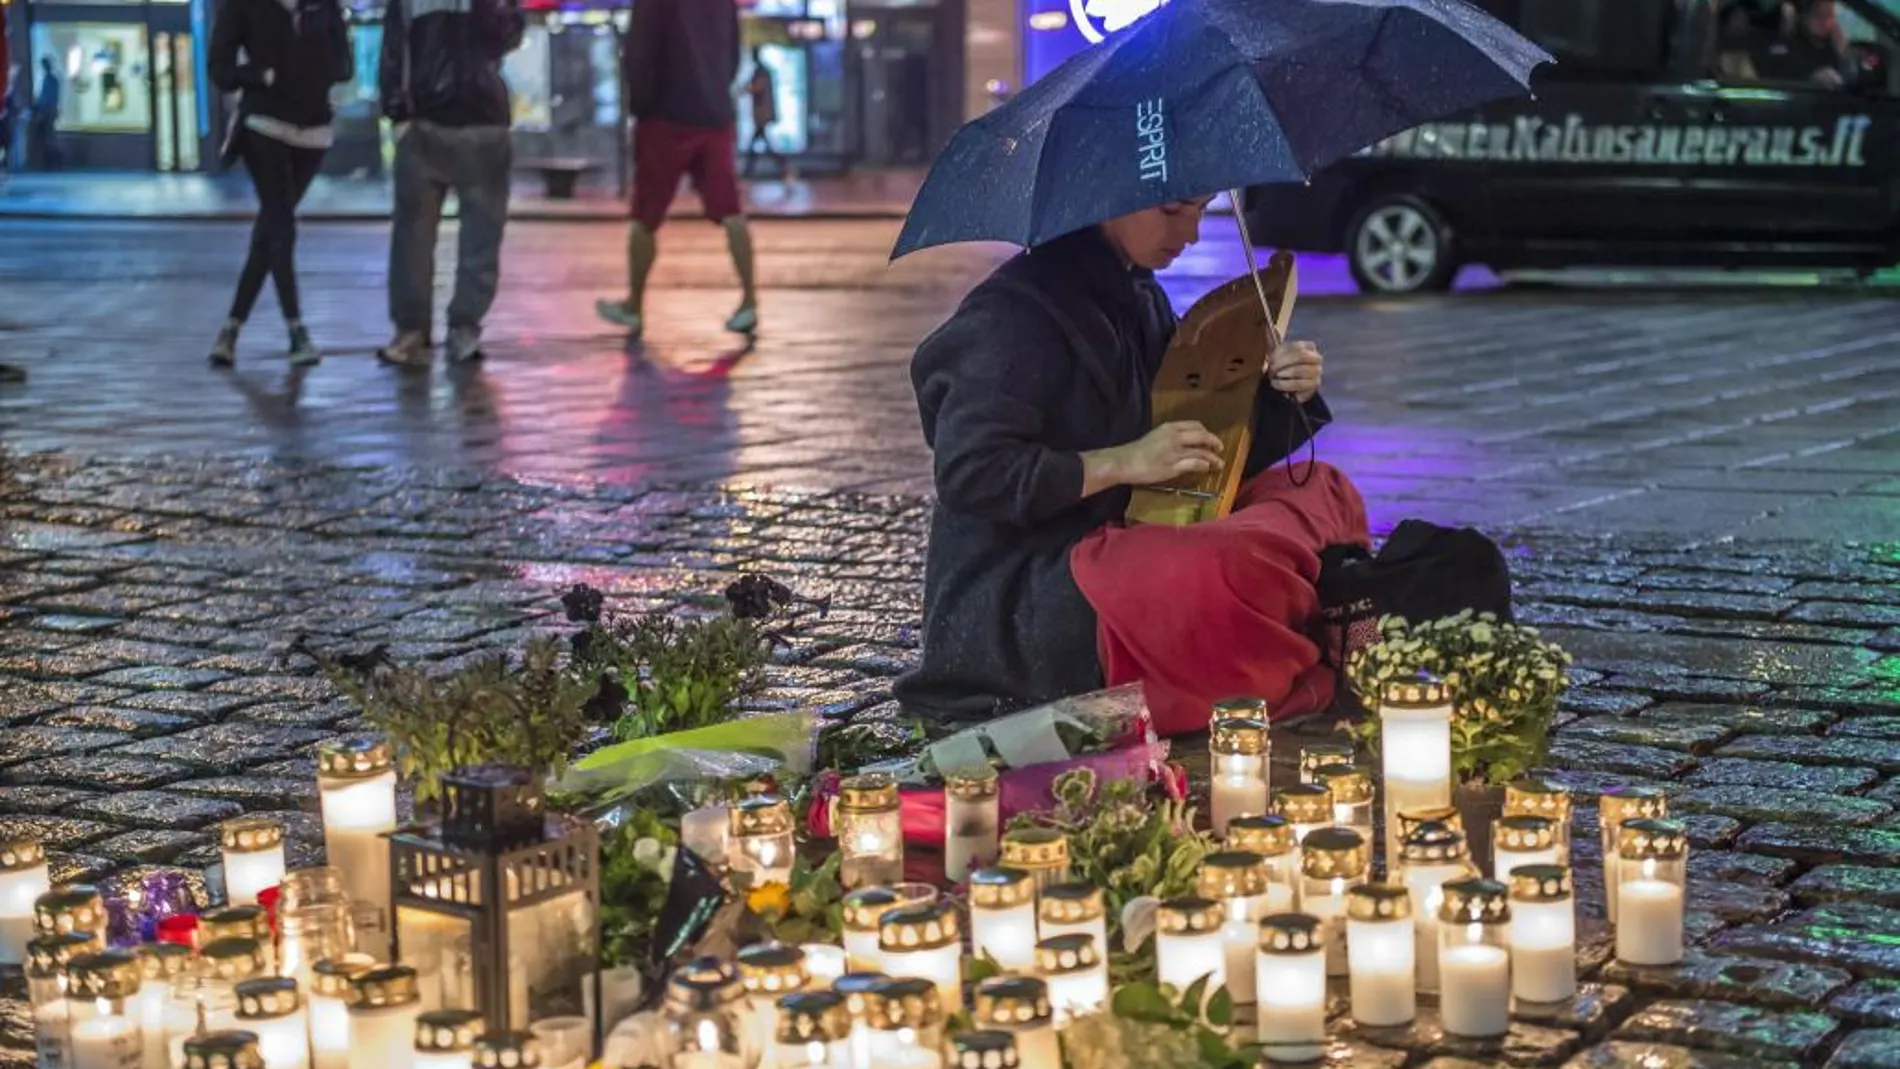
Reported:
(739, 750)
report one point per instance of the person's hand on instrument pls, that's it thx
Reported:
(1296, 368)
(1169, 452)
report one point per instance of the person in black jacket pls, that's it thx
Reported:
(282, 56)
(441, 83)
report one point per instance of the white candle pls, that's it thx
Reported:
(384, 1007)
(1381, 955)
(1238, 752)
(1003, 917)
(925, 942)
(1077, 975)
(824, 963)
(148, 1008)
(1190, 944)
(1072, 909)
(1614, 809)
(706, 831)
(1290, 979)
(1307, 806)
(707, 1059)
(1522, 841)
(23, 879)
(445, 1039)
(253, 853)
(870, 831)
(761, 839)
(1475, 995)
(1433, 855)
(972, 825)
(864, 910)
(445, 1059)
(1237, 796)
(1649, 929)
(1543, 935)
(107, 1042)
(328, 1010)
(1238, 880)
(1020, 1006)
(356, 789)
(1415, 745)
(283, 1041)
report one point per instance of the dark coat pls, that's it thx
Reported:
(441, 61)
(1009, 406)
(308, 53)
(681, 60)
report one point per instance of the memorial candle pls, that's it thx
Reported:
(769, 972)
(1290, 978)
(1432, 855)
(1652, 863)
(1331, 861)
(1020, 1006)
(870, 831)
(863, 910)
(1190, 944)
(71, 908)
(1474, 964)
(507, 1050)
(813, 1032)
(385, 1003)
(1306, 806)
(1381, 955)
(1351, 790)
(926, 942)
(1041, 852)
(23, 879)
(224, 1049)
(253, 853)
(1238, 749)
(47, 958)
(160, 966)
(1003, 918)
(1614, 808)
(1239, 882)
(705, 1012)
(986, 1049)
(270, 1008)
(1271, 838)
(859, 991)
(1543, 934)
(445, 1039)
(762, 840)
(356, 789)
(1317, 755)
(1065, 908)
(824, 962)
(707, 832)
(241, 922)
(1518, 841)
(1415, 745)
(328, 1009)
(1532, 797)
(972, 824)
(1077, 974)
(101, 987)
(907, 1023)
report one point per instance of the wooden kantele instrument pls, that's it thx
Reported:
(1212, 373)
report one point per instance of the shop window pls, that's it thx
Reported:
(105, 85)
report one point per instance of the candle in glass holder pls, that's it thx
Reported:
(1410, 820)
(1190, 943)
(1351, 790)
(1271, 839)
(824, 963)
(1317, 755)
(860, 991)
(1020, 1006)
(253, 853)
(1076, 971)
(23, 879)
(926, 942)
(1533, 797)
(1066, 908)
(445, 1039)
(1238, 881)
(1518, 841)
(1041, 852)
(507, 1050)
(101, 989)
(241, 922)
(870, 831)
(160, 966)
(356, 789)
(269, 1008)
(986, 1049)
(385, 1003)
(762, 840)
(1003, 918)
(1652, 863)
(863, 909)
(328, 1009)
(907, 1024)
(1543, 934)
(1331, 861)
(225, 1048)
(769, 972)
(1306, 806)
(707, 832)
(1290, 980)
(47, 959)
(222, 965)
(310, 932)
(972, 823)
(705, 1014)
(1614, 808)
(1381, 955)
(813, 1032)
(1415, 744)
(1474, 962)
(1432, 855)
(71, 908)
(1238, 749)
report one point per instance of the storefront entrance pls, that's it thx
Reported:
(129, 82)
(909, 75)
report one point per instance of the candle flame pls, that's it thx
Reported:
(708, 1036)
(1649, 868)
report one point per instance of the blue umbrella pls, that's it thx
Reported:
(1211, 95)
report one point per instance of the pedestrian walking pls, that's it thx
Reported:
(43, 123)
(681, 61)
(442, 88)
(9, 112)
(762, 92)
(281, 57)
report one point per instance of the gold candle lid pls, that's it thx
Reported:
(1073, 952)
(703, 985)
(1541, 883)
(975, 783)
(1192, 915)
(1304, 803)
(1621, 804)
(868, 792)
(1474, 901)
(1420, 690)
(1013, 1002)
(1432, 843)
(1266, 834)
(1335, 854)
(1001, 888)
(1292, 933)
(21, 854)
(1652, 840)
(926, 927)
(507, 1050)
(48, 955)
(1244, 706)
(864, 907)
(772, 969)
(1317, 755)
(447, 1031)
(1524, 834)
(107, 974)
(1378, 902)
(223, 1050)
(1410, 820)
(1071, 903)
(232, 958)
(1035, 848)
(761, 815)
(76, 907)
(331, 977)
(251, 922)
(986, 1049)
(384, 985)
(162, 961)
(1243, 735)
(1232, 874)
(904, 1002)
(266, 998)
(858, 989)
(813, 1017)
(1533, 797)
(1349, 784)
(250, 835)
(363, 757)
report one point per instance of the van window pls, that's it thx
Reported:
(1601, 40)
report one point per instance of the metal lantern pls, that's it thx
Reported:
(497, 903)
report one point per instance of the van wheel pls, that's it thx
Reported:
(1400, 245)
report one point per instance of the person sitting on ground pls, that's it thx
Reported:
(1033, 588)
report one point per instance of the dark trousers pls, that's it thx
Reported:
(762, 140)
(281, 174)
(44, 136)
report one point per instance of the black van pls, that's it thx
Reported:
(1680, 133)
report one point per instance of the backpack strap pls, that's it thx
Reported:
(1071, 332)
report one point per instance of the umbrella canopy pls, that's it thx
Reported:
(1211, 95)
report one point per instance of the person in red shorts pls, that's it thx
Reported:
(681, 61)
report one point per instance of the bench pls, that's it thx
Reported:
(560, 174)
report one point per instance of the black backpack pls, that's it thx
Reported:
(1423, 572)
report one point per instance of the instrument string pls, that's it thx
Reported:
(1238, 203)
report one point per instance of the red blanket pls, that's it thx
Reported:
(1223, 609)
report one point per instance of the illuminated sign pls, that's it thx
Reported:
(1097, 19)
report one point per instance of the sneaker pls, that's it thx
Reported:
(465, 344)
(224, 350)
(302, 352)
(409, 349)
(744, 321)
(616, 312)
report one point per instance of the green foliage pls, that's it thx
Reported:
(1505, 682)
(528, 711)
(635, 868)
(810, 910)
(1156, 1027)
(678, 672)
